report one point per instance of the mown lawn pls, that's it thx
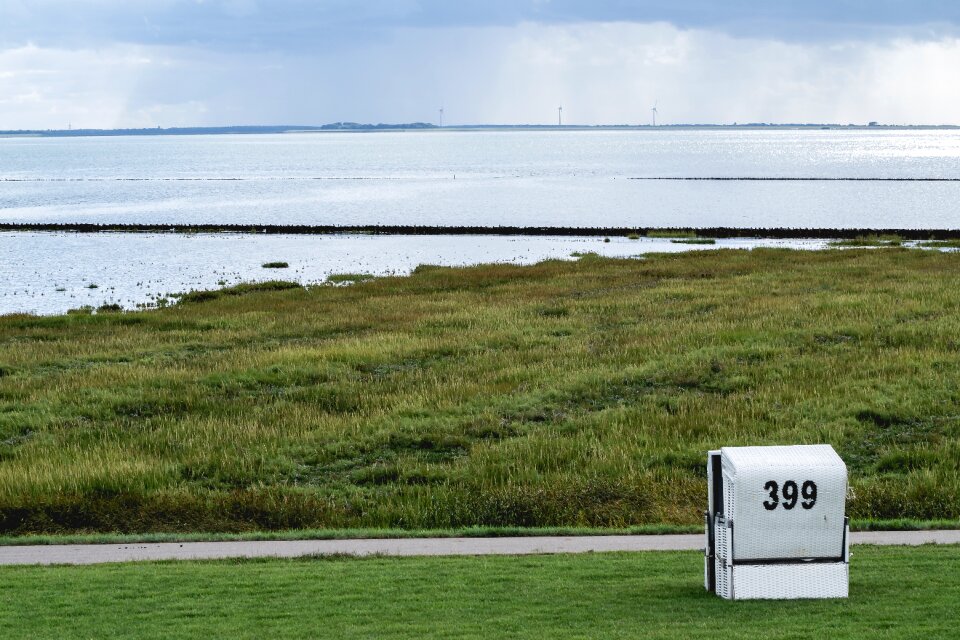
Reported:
(562, 394)
(895, 592)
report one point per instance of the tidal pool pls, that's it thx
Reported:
(49, 273)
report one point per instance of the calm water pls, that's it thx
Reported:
(429, 178)
(488, 178)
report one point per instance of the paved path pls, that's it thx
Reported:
(99, 553)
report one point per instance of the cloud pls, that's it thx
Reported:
(54, 88)
(607, 72)
(614, 72)
(322, 25)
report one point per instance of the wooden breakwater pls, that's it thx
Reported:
(421, 230)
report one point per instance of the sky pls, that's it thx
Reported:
(170, 63)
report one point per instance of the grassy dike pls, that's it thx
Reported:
(562, 394)
(895, 592)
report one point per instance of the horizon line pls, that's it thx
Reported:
(370, 127)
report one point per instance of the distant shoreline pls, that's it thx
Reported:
(784, 233)
(426, 127)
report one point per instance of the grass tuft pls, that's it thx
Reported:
(236, 290)
(109, 308)
(671, 233)
(940, 244)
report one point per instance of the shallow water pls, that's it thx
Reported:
(487, 178)
(48, 273)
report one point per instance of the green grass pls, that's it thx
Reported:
(275, 265)
(895, 592)
(564, 394)
(869, 241)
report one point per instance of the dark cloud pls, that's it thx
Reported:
(326, 24)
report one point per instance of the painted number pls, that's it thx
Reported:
(791, 494)
(809, 492)
(774, 500)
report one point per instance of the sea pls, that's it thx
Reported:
(810, 178)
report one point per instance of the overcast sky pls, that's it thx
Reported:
(133, 63)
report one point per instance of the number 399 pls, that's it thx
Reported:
(790, 495)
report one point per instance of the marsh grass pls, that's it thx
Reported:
(570, 394)
(671, 233)
(275, 265)
(236, 290)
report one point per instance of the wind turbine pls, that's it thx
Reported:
(653, 112)
(560, 116)
(441, 117)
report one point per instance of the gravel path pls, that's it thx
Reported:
(99, 553)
